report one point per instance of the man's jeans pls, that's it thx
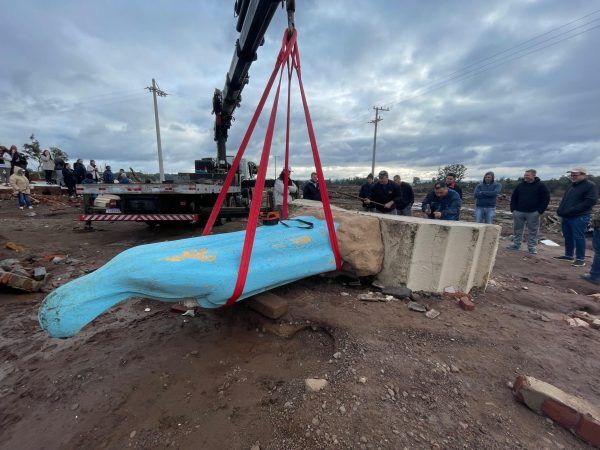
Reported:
(573, 229)
(595, 271)
(24, 200)
(406, 211)
(533, 227)
(485, 214)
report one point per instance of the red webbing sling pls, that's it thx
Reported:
(288, 48)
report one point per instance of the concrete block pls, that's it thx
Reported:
(573, 413)
(268, 304)
(430, 255)
(422, 254)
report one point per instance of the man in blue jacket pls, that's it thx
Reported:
(528, 202)
(486, 194)
(442, 203)
(575, 209)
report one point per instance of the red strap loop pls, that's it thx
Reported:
(289, 58)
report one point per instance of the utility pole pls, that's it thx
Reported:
(275, 158)
(375, 121)
(157, 91)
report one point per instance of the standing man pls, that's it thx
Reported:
(311, 189)
(92, 169)
(59, 165)
(442, 203)
(486, 194)
(404, 208)
(574, 210)
(594, 275)
(108, 177)
(80, 171)
(365, 191)
(528, 202)
(384, 195)
(452, 184)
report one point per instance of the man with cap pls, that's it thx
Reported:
(442, 203)
(575, 209)
(528, 202)
(384, 195)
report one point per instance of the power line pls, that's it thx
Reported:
(509, 57)
(489, 66)
(78, 104)
(527, 41)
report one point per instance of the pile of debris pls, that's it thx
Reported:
(14, 275)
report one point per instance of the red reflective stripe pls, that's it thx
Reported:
(284, 53)
(318, 167)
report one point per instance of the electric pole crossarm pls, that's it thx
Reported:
(376, 121)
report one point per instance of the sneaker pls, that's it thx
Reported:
(30, 207)
(514, 247)
(20, 207)
(588, 277)
(578, 263)
(564, 258)
(533, 251)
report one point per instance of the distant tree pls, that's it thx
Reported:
(416, 180)
(458, 169)
(58, 153)
(32, 150)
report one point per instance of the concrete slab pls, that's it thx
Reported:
(423, 254)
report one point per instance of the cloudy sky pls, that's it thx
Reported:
(501, 84)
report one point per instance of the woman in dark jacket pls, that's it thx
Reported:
(80, 170)
(18, 160)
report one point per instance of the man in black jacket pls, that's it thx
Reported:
(365, 191)
(528, 202)
(575, 209)
(384, 195)
(311, 189)
(404, 208)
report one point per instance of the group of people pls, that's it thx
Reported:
(56, 171)
(529, 200)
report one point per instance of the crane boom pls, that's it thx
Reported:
(254, 18)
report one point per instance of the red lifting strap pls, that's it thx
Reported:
(288, 55)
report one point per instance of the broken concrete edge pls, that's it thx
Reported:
(571, 412)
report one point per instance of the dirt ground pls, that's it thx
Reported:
(231, 378)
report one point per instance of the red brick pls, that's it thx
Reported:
(560, 413)
(466, 304)
(589, 430)
(269, 305)
(179, 308)
(517, 385)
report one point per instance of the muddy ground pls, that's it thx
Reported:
(232, 379)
